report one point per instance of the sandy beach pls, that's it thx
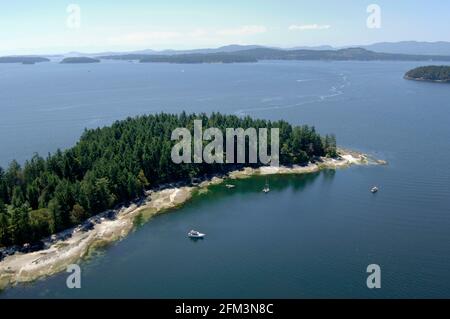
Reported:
(27, 267)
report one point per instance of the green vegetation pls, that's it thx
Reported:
(22, 59)
(350, 54)
(430, 73)
(185, 58)
(80, 60)
(243, 56)
(112, 165)
(199, 58)
(258, 54)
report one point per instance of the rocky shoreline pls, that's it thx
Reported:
(425, 80)
(72, 245)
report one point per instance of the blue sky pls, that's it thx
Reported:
(40, 26)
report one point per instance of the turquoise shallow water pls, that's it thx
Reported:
(313, 235)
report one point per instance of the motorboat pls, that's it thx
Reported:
(266, 188)
(230, 186)
(374, 190)
(195, 234)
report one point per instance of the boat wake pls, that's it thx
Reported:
(334, 91)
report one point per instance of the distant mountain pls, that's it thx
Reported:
(411, 47)
(317, 48)
(405, 47)
(224, 49)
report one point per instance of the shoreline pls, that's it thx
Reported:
(28, 267)
(426, 80)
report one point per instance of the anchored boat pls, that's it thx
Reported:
(266, 188)
(195, 234)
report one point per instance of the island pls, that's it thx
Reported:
(195, 58)
(75, 60)
(259, 54)
(199, 58)
(53, 210)
(23, 59)
(433, 73)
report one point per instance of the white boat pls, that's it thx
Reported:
(195, 234)
(266, 188)
(230, 186)
(374, 190)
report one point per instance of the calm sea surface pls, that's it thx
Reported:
(313, 235)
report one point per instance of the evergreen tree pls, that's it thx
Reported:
(78, 214)
(115, 164)
(4, 225)
(19, 224)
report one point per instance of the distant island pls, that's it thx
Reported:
(258, 54)
(80, 60)
(239, 54)
(431, 73)
(22, 59)
(200, 58)
(194, 58)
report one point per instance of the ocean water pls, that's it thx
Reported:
(313, 235)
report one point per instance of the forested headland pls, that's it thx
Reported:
(115, 164)
(433, 73)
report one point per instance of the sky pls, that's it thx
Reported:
(59, 26)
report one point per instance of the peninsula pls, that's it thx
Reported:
(54, 210)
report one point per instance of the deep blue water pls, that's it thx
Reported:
(312, 236)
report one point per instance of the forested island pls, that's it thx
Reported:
(431, 73)
(242, 56)
(115, 164)
(258, 54)
(199, 58)
(195, 58)
(23, 59)
(80, 60)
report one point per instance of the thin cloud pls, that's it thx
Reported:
(140, 37)
(304, 27)
(198, 33)
(243, 31)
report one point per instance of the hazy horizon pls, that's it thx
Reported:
(43, 53)
(88, 26)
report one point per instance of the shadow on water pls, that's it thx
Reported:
(277, 183)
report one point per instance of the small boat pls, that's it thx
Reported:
(266, 188)
(195, 234)
(230, 186)
(374, 190)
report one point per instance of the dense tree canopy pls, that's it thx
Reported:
(430, 73)
(115, 164)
